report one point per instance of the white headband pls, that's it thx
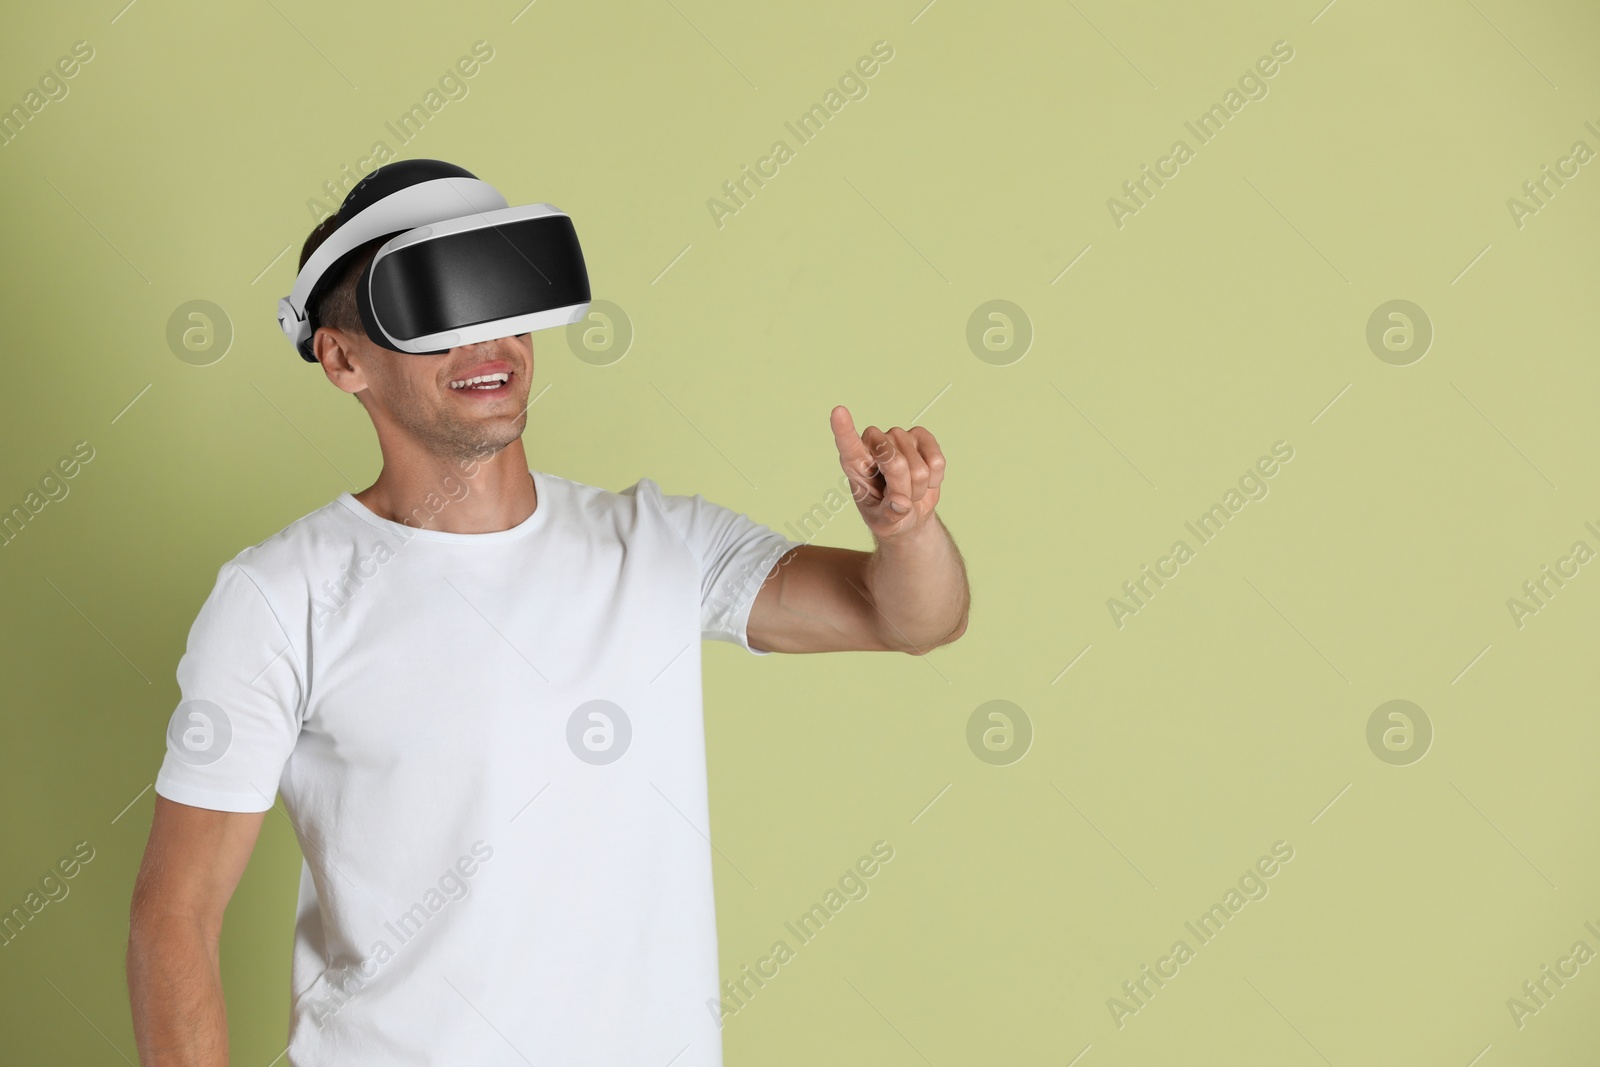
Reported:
(405, 209)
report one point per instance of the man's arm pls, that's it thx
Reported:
(192, 863)
(908, 595)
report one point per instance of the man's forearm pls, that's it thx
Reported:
(918, 582)
(175, 986)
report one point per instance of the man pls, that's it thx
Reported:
(477, 687)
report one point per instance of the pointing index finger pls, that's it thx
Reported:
(849, 443)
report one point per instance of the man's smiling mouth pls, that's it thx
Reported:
(486, 383)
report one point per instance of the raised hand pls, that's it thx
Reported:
(894, 474)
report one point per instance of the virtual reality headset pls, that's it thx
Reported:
(460, 265)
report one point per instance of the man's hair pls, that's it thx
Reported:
(335, 302)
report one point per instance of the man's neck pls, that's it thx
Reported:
(467, 496)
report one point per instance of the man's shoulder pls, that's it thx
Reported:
(630, 511)
(587, 497)
(296, 547)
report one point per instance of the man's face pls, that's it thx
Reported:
(429, 400)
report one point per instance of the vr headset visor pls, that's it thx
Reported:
(459, 267)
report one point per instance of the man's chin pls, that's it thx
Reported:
(491, 433)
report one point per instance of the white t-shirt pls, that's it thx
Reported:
(491, 748)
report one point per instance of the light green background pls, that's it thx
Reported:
(1223, 317)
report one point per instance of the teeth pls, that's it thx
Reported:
(466, 383)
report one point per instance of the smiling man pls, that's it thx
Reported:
(476, 685)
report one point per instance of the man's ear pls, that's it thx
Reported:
(333, 348)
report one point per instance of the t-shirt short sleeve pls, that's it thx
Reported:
(736, 554)
(242, 689)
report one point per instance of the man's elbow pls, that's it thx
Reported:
(923, 650)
